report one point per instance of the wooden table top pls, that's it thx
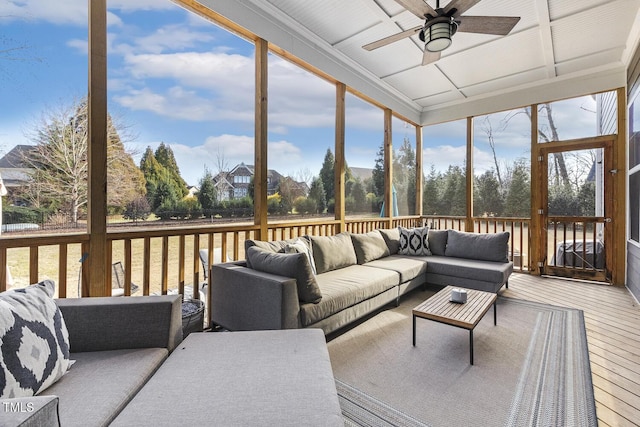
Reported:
(466, 315)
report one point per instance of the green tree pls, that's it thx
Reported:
(207, 195)
(518, 200)
(316, 192)
(378, 173)
(487, 197)
(359, 196)
(327, 175)
(454, 196)
(431, 192)
(164, 156)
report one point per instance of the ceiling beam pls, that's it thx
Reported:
(546, 39)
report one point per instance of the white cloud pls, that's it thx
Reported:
(72, 12)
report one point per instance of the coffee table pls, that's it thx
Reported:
(439, 308)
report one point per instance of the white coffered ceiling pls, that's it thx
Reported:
(558, 49)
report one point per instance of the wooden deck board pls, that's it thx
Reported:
(612, 321)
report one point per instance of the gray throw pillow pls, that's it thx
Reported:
(414, 241)
(295, 265)
(437, 241)
(392, 238)
(333, 252)
(273, 246)
(484, 247)
(369, 246)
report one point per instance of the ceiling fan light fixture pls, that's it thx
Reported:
(437, 35)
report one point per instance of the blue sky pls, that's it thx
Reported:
(178, 79)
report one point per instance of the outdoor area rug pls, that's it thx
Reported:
(532, 369)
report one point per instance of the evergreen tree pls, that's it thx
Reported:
(207, 194)
(454, 199)
(327, 175)
(378, 173)
(359, 196)
(316, 192)
(431, 192)
(487, 197)
(518, 201)
(164, 156)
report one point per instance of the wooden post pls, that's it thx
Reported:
(261, 139)
(97, 150)
(388, 167)
(537, 228)
(339, 167)
(419, 174)
(469, 176)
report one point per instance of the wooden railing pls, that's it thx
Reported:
(162, 260)
(575, 247)
(518, 228)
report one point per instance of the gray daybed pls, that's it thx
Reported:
(355, 275)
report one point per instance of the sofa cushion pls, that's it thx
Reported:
(302, 247)
(347, 287)
(414, 241)
(294, 265)
(273, 246)
(437, 241)
(391, 237)
(369, 246)
(408, 267)
(485, 247)
(34, 340)
(333, 252)
(101, 383)
(487, 271)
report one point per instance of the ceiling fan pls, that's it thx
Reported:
(442, 23)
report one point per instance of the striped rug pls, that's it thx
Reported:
(530, 370)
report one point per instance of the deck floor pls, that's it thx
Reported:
(612, 320)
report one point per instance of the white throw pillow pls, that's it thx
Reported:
(299, 246)
(34, 340)
(414, 241)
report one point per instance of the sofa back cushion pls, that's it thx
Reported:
(274, 246)
(414, 241)
(484, 247)
(438, 241)
(333, 252)
(294, 265)
(369, 246)
(391, 237)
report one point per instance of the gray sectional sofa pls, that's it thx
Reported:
(132, 368)
(117, 345)
(328, 282)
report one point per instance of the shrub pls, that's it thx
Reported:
(137, 209)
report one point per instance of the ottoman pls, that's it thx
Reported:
(253, 378)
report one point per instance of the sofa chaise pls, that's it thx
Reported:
(328, 282)
(129, 356)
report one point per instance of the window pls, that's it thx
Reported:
(444, 160)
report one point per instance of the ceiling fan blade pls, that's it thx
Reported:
(394, 38)
(461, 6)
(429, 57)
(498, 25)
(417, 7)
